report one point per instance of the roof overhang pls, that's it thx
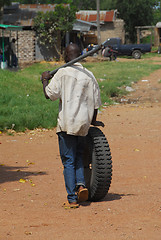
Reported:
(10, 27)
(83, 26)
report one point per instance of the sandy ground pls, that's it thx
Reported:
(32, 186)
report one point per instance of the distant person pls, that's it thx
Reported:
(113, 53)
(109, 52)
(13, 53)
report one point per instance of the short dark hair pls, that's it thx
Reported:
(72, 51)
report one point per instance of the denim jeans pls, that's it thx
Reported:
(71, 150)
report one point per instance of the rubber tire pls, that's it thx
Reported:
(136, 54)
(97, 154)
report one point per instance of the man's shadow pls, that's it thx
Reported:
(10, 173)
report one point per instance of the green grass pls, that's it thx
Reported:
(23, 105)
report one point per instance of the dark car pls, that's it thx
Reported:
(135, 50)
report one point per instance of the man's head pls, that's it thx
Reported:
(72, 51)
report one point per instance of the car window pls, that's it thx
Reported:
(112, 41)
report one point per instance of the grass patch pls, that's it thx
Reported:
(23, 105)
(114, 75)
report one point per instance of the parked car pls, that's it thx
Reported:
(135, 50)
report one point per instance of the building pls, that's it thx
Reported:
(84, 29)
(110, 25)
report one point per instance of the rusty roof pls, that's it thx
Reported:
(23, 14)
(91, 16)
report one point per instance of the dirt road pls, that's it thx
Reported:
(32, 187)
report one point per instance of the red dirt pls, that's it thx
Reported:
(32, 209)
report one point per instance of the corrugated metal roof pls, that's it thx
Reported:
(82, 26)
(91, 16)
(23, 14)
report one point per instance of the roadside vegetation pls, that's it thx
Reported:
(23, 105)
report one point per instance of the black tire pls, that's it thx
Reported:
(136, 54)
(97, 164)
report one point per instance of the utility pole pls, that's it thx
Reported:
(98, 24)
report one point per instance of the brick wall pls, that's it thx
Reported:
(25, 46)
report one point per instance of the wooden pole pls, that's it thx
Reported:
(98, 24)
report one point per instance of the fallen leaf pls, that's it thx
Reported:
(136, 150)
(22, 180)
(31, 163)
(28, 233)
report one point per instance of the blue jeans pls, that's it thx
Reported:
(71, 151)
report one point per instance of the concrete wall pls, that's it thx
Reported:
(108, 30)
(113, 30)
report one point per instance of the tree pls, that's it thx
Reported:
(43, 1)
(80, 5)
(157, 12)
(108, 4)
(135, 13)
(50, 25)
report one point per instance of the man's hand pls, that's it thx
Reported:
(98, 124)
(46, 76)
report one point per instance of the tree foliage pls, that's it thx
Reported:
(83, 4)
(135, 13)
(50, 25)
(157, 12)
(108, 4)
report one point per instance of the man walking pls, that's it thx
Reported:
(79, 99)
